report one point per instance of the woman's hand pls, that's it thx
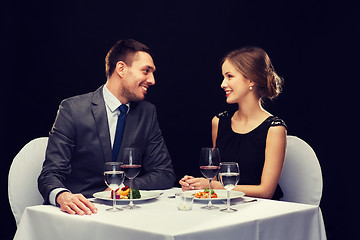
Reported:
(183, 182)
(191, 183)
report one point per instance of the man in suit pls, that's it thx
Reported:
(82, 137)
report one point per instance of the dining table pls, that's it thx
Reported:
(159, 218)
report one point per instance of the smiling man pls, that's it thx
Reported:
(82, 137)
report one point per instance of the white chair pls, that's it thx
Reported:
(301, 178)
(23, 174)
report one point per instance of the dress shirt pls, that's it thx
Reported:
(112, 112)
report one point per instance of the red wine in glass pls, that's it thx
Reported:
(209, 167)
(131, 165)
(208, 171)
(131, 171)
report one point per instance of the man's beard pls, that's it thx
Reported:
(130, 95)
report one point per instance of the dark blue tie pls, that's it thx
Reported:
(119, 131)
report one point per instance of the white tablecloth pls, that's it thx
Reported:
(160, 219)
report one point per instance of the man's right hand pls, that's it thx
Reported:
(75, 204)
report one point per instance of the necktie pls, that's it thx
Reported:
(120, 126)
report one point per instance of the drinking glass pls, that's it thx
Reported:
(229, 177)
(185, 201)
(209, 167)
(131, 165)
(113, 176)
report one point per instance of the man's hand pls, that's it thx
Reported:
(75, 204)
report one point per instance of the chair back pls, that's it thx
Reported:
(24, 171)
(301, 178)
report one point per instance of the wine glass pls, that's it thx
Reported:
(209, 167)
(229, 177)
(113, 176)
(131, 164)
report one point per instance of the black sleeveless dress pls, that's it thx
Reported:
(248, 149)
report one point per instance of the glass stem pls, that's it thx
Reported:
(228, 200)
(131, 193)
(210, 204)
(114, 199)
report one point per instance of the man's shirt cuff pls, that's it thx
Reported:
(54, 193)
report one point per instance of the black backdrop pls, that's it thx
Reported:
(53, 50)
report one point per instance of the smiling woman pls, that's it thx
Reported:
(251, 136)
(254, 65)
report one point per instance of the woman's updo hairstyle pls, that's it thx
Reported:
(255, 65)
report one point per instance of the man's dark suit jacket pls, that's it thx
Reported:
(79, 145)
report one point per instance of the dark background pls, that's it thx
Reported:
(52, 50)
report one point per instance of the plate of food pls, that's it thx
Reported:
(123, 195)
(216, 195)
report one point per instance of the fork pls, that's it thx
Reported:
(243, 201)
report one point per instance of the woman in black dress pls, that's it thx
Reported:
(250, 136)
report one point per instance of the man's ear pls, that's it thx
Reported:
(120, 68)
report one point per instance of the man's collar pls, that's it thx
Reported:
(111, 101)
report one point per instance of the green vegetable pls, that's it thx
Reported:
(136, 194)
(207, 190)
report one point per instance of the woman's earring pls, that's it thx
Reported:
(250, 88)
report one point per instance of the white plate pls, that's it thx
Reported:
(221, 193)
(145, 195)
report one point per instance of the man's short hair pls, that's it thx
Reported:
(123, 50)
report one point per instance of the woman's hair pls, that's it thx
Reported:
(123, 50)
(255, 65)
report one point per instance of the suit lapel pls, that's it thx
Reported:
(102, 125)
